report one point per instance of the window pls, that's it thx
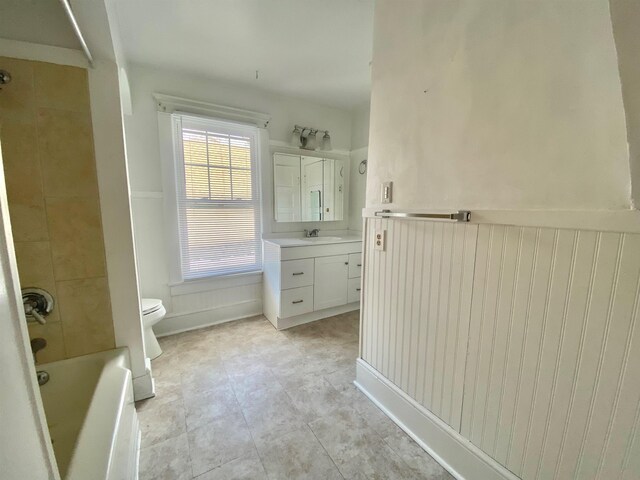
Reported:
(218, 197)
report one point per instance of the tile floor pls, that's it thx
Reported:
(244, 401)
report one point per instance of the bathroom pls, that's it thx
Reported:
(290, 239)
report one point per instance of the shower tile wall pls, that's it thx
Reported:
(50, 172)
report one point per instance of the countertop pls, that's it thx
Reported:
(305, 242)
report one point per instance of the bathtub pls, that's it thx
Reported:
(88, 402)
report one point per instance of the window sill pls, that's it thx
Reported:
(215, 283)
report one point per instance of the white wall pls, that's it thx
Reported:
(359, 152)
(625, 17)
(360, 126)
(498, 105)
(141, 130)
(520, 341)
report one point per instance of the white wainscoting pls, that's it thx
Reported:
(210, 307)
(417, 303)
(553, 375)
(524, 340)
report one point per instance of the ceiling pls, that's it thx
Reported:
(317, 50)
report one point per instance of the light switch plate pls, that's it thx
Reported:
(387, 191)
(379, 240)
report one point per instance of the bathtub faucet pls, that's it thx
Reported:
(37, 344)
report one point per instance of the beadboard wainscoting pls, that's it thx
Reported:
(234, 298)
(417, 303)
(520, 344)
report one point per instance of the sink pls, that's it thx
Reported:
(288, 242)
(323, 239)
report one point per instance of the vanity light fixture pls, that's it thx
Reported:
(306, 138)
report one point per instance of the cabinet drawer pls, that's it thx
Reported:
(355, 264)
(353, 293)
(296, 273)
(296, 301)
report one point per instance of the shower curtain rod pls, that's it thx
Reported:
(76, 29)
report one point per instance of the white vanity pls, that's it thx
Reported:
(306, 279)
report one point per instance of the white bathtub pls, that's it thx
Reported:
(92, 419)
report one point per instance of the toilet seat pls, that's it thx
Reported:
(150, 305)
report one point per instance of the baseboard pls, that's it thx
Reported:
(144, 386)
(284, 323)
(177, 323)
(455, 453)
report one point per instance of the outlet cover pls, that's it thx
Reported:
(387, 191)
(379, 240)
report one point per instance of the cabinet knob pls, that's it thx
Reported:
(297, 301)
(297, 273)
(357, 289)
(346, 263)
(359, 264)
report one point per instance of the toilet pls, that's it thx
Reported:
(152, 312)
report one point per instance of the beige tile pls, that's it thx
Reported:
(219, 442)
(52, 333)
(160, 421)
(357, 449)
(77, 245)
(270, 415)
(254, 381)
(24, 181)
(315, 398)
(61, 86)
(17, 99)
(36, 270)
(203, 379)
(248, 467)
(416, 458)
(85, 310)
(65, 143)
(206, 407)
(298, 455)
(167, 460)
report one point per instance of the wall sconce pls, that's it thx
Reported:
(306, 138)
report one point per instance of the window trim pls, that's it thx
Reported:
(170, 149)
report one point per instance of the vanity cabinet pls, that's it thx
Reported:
(306, 280)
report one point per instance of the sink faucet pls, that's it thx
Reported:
(311, 233)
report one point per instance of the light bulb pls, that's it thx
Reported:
(326, 141)
(312, 142)
(295, 136)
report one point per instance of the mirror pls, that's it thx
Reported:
(308, 189)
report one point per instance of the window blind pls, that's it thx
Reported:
(218, 197)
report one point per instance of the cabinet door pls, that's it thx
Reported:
(354, 290)
(355, 265)
(330, 281)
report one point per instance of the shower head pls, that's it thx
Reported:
(5, 77)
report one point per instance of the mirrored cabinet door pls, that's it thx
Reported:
(308, 189)
(286, 175)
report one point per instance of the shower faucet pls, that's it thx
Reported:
(37, 344)
(38, 303)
